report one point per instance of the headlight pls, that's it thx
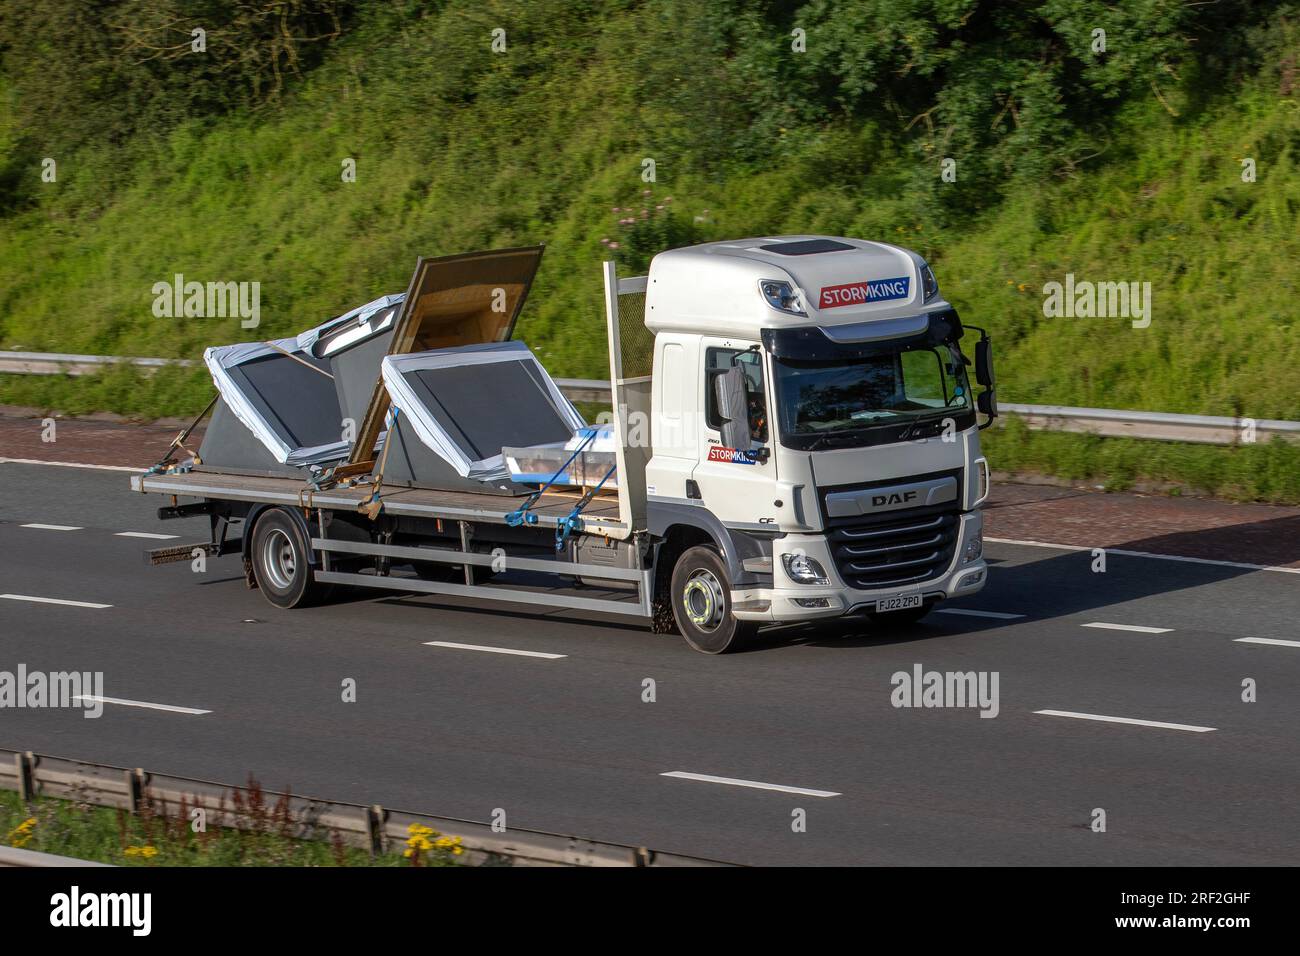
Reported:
(929, 284)
(781, 295)
(974, 548)
(803, 569)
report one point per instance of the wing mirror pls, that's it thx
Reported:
(984, 363)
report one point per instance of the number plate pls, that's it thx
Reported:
(898, 602)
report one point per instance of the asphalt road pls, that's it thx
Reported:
(567, 744)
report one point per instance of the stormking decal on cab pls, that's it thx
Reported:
(733, 455)
(856, 293)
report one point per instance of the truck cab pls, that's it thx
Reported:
(814, 428)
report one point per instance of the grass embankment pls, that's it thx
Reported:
(106, 835)
(457, 148)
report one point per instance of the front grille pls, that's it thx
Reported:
(896, 552)
(895, 548)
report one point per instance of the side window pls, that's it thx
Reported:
(718, 360)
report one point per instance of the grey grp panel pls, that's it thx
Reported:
(356, 371)
(229, 445)
(300, 404)
(487, 407)
(412, 464)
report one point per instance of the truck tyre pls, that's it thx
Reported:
(281, 562)
(701, 599)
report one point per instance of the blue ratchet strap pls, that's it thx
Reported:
(522, 514)
(572, 522)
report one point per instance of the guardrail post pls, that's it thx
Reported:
(26, 766)
(135, 783)
(375, 817)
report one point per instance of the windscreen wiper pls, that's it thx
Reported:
(934, 418)
(830, 438)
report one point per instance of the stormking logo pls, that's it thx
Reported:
(946, 689)
(74, 909)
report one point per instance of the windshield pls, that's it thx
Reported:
(840, 397)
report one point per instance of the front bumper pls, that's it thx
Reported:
(788, 601)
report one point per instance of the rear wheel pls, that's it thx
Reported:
(701, 599)
(281, 562)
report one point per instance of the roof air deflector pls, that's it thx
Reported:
(806, 247)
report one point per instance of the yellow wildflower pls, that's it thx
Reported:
(22, 833)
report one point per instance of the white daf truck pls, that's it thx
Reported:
(796, 438)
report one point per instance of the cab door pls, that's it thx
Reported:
(736, 484)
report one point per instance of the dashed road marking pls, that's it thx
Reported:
(1266, 640)
(51, 527)
(1126, 720)
(1145, 554)
(971, 612)
(493, 650)
(1139, 628)
(142, 703)
(46, 600)
(145, 534)
(752, 784)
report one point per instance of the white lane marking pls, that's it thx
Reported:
(68, 464)
(493, 650)
(145, 534)
(45, 600)
(141, 703)
(51, 527)
(1266, 640)
(971, 612)
(752, 784)
(1147, 554)
(1139, 628)
(1126, 720)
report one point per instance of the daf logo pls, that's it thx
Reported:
(893, 499)
(848, 504)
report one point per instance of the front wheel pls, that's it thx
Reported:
(701, 598)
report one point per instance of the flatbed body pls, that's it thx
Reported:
(464, 533)
(600, 516)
